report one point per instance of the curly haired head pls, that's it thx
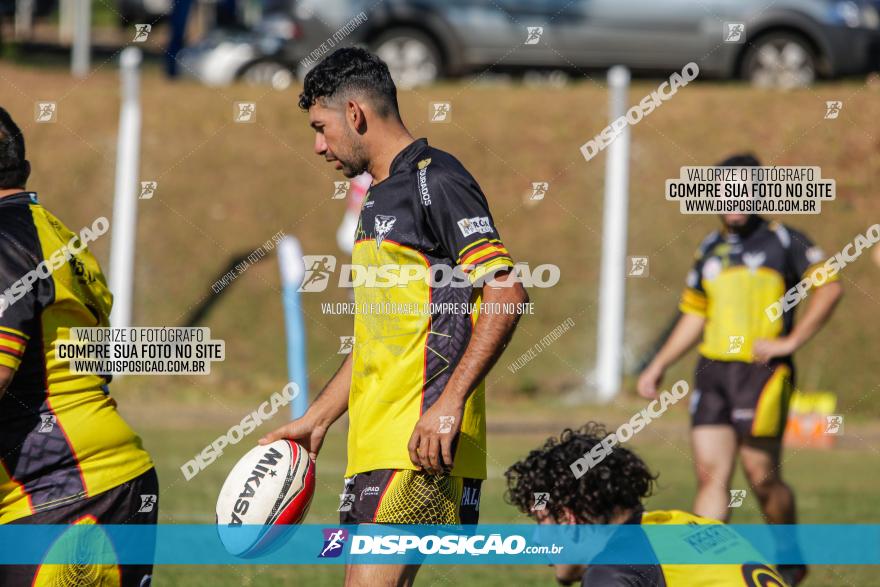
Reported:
(14, 168)
(617, 483)
(348, 71)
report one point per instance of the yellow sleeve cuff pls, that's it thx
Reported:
(814, 266)
(693, 302)
(493, 265)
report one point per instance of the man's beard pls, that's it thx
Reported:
(357, 161)
(352, 170)
(743, 227)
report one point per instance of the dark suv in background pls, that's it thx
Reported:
(783, 42)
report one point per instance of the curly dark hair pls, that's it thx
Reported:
(14, 168)
(617, 483)
(351, 69)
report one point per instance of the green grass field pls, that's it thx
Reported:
(833, 487)
(225, 188)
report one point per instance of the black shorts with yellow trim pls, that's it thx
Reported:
(133, 502)
(403, 496)
(751, 397)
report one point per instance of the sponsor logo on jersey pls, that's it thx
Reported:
(470, 496)
(382, 227)
(423, 181)
(477, 224)
(372, 490)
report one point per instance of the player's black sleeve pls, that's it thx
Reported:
(458, 215)
(19, 283)
(803, 254)
(693, 297)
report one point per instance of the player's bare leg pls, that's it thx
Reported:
(714, 448)
(380, 575)
(761, 464)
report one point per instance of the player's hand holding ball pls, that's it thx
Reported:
(306, 431)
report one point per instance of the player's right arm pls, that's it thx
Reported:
(19, 297)
(328, 407)
(686, 333)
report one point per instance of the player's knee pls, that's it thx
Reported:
(709, 476)
(764, 482)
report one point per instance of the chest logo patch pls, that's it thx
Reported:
(754, 260)
(382, 227)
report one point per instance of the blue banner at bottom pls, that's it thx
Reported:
(703, 544)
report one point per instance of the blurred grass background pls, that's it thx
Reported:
(225, 188)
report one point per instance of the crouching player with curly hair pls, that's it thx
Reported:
(612, 492)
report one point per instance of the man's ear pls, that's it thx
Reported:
(355, 116)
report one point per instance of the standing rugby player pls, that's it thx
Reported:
(745, 375)
(413, 386)
(66, 455)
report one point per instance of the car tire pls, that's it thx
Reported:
(780, 60)
(412, 56)
(267, 72)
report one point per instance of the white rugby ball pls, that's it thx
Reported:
(267, 492)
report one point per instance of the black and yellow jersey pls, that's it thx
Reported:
(693, 532)
(61, 438)
(428, 213)
(737, 276)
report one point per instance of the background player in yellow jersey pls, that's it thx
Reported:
(66, 456)
(611, 492)
(745, 373)
(413, 385)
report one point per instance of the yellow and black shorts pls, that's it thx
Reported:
(133, 502)
(403, 496)
(751, 397)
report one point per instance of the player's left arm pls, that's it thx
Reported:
(457, 214)
(820, 306)
(434, 434)
(804, 257)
